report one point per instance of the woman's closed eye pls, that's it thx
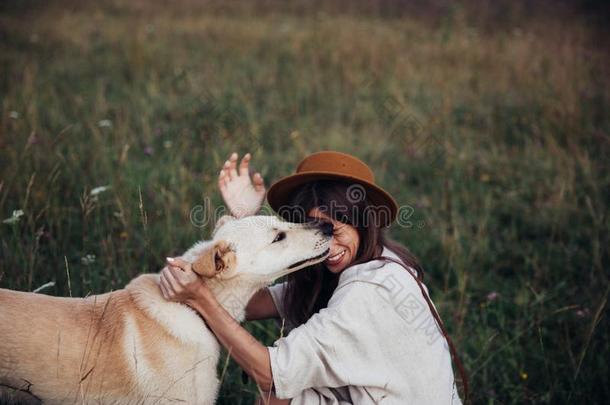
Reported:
(279, 237)
(337, 230)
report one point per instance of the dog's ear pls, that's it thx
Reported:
(218, 259)
(221, 221)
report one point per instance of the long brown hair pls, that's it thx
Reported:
(309, 290)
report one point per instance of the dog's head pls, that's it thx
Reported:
(261, 247)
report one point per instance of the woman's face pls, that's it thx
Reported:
(344, 244)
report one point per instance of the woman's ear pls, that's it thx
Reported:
(218, 259)
(221, 221)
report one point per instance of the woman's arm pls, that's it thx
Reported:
(179, 283)
(248, 352)
(261, 306)
(269, 398)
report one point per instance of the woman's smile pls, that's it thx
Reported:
(344, 244)
(336, 258)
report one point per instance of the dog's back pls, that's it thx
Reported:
(56, 348)
(102, 349)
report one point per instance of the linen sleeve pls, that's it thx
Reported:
(334, 348)
(318, 396)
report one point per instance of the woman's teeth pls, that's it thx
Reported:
(336, 258)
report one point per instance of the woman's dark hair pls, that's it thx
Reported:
(309, 290)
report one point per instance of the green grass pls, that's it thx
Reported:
(493, 124)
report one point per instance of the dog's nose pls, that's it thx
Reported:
(326, 228)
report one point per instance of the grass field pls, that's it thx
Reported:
(491, 122)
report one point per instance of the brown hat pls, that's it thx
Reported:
(329, 165)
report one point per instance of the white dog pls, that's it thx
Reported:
(132, 346)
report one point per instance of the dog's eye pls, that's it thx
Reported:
(280, 236)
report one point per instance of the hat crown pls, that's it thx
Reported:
(337, 166)
(338, 163)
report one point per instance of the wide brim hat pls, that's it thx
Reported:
(331, 165)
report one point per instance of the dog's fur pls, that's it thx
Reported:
(133, 346)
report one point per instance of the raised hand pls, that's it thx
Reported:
(243, 195)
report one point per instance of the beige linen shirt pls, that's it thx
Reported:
(375, 343)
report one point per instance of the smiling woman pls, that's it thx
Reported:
(357, 238)
(359, 321)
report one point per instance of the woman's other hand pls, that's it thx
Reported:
(243, 195)
(179, 283)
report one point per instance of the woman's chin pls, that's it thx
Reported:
(336, 267)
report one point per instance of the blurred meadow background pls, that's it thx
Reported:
(489, 121)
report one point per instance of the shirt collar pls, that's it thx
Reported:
(357, 271)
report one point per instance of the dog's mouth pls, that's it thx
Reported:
(317, 258)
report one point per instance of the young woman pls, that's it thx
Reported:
(360, 328)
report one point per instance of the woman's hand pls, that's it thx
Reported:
(179, 283)
(243, 195)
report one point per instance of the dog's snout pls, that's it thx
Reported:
(326, 228)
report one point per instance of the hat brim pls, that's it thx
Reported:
(280, 193)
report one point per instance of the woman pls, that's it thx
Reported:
(360, 329)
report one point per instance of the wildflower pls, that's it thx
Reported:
(14, 115)
(523, 375)
(123, 235)
(492, 296)
(98, 190)
(88, 259)
(33, 139)
(148, 150)
(423, 202)
(104, 124)
(582, 312)
(14, 218)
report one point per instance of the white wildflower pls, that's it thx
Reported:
(88, 259)
(14, 218)
(14, 115)
(98, 190)
(104, 124)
